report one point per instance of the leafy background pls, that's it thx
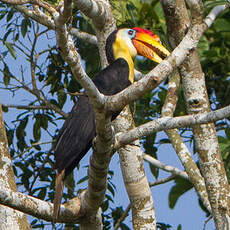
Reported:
(31, 132)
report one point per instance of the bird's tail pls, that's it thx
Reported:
(59, 186)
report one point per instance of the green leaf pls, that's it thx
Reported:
(37, 129)
(5, 109)
(181, 187)
(20, 131)
(105, 205)
(154, 170)
(44, 121)
(42, 193)
(211, 3)
(151, 150)
(34, 222)
(10, 15)
(2, 14)
(24, 27)
(7, 34)
(11, 49)
(227, 132)
(7, 75)
(70, 184)
(61, 98)
(222, 25)
(111, 189)
(163, 226)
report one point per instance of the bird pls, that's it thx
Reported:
(75, 137)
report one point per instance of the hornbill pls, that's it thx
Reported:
(76, 135)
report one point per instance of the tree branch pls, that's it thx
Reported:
(167, 168)
(196, 9)
(40, 3)
(181, 149)
(28, 107)
(7, 182)
(93, 9)
(152, 184)
(195, 93)
(47, 21)
(214, 14)
(134, 177)
(39, 208)
(71, 56)
(169, 123)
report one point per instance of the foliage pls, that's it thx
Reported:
(214, 52)
(225, 150)
(181, 186)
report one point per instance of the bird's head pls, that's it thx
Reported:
(126, 43)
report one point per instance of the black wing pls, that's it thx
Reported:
(75, 137)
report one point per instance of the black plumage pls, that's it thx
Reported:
(75, 137)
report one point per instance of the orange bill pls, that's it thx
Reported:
(148, 45)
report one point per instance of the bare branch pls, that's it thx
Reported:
(162, 181)
(170, 123)
(71, 56)
(37, 208)
(16, 2)
(7, 182)
(181, 149)
(167, 168)
(40, 3)
(66, 12)
(214, 13)
(27, 107)
(196, 7)
(47, 21)
(92, 9)
(134, 177)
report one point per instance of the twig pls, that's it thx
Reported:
(123, 216)
(31, 146)
(40, 3)
(206, 222)
(167, 168)
(76, 94)
(38, 173)
(71, 56)
(26, 106)
(162, 181)
(47, 21)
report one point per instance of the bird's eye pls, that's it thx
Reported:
(130, 32)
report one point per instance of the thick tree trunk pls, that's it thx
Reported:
(206, 143)
(9, 218)
(134, 177)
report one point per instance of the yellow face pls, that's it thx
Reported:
(124, 48)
